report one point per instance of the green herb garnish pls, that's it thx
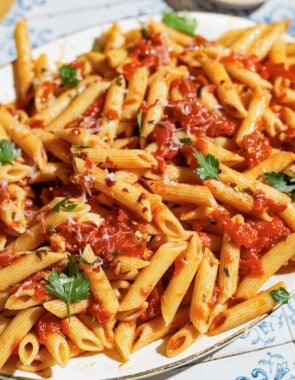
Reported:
(181, 21)
(282, 182)
(81, 146)
(186, 140)
(63, 204)
(226, 271)
(208, 166)
(8, 152)
(200, 88)
(144, 34)
(280, 295)
(41, 252)
(139, 120)
(68, 75)
(70, 286)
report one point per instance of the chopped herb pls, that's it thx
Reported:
(97, 46)
(68, 75)
(280, 295)
(144, 34)
(186, 140)
(139, 120)
(81, 259)
(208, 166)
(120, 80)
(51, 229)
(200, 88)
(116, 253)
(181, 21)
(226, 271)
(282, 182)
(8, 152)
(63, 204)
(70, 286)
(81, 146)
(40, 253)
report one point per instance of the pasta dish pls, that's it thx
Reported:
(146, 190)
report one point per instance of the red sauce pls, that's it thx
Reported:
(262, 203)
(255, 148)
(271, 70)
(46, 325)
(111, 114)
(213, 301)
(116, 235)
(250, 264)
(99, 312)
(3, 192)
(168, 145)
(40, 293)
(249, 62)
(154, 302)
(47, 91)
(194, 118)
(6, 258)
(242, 234)
(255, 238)
(179, 263)
(151, 53)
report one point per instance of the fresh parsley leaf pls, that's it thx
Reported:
(63, 204)
(139, 120)
(199, 89)
(68, 75)
(208, 166)
(8, 152)
(281, 182)
(71, 286)
(40, 252)
(181, 21)
(226, 271)
(144, 34)
(280, 295)
(186, 140)
(81, 146)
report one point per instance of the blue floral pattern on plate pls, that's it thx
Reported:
(274, 367)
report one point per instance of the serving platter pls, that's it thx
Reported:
(150, 360)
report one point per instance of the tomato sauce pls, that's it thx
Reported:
(3, 192)
(118, 234)
(151, 53)
(262, 203)
(46, 325)
(255, 148)
(6, 258)
(99, 312)
(194, 118)
(47, 91)
(255, 237)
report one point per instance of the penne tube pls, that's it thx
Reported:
(78, 105)
(81, 335)
(28, 348)
(203, 292)
(150, 275)
(29, 263)
(186, 265)
(156, 328)
(258, 105)
(16, 330)
(123, 338)
(245, 311)
(225, 88)
(181, 340)
(271, 262)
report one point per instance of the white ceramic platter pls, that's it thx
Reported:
(150, 360)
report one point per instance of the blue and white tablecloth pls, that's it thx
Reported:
(265, 352)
